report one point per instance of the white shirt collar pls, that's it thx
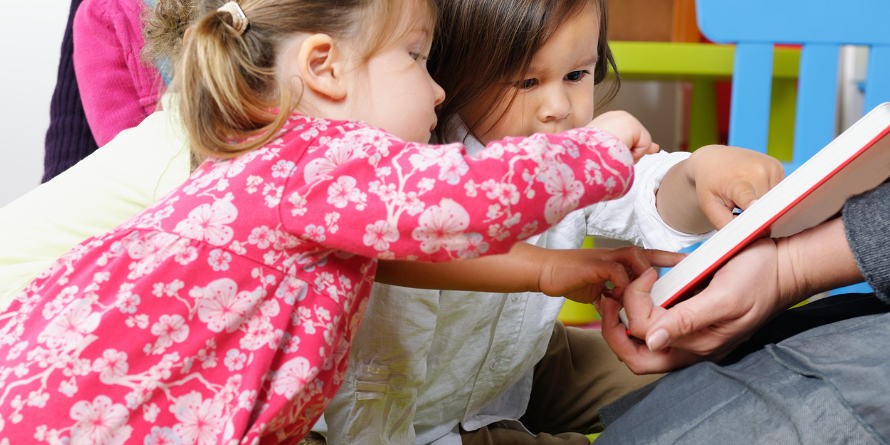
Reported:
(459, 132)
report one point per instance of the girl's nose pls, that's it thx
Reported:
(438, 92)
(556, 106)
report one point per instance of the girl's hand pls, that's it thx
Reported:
(630, 350)
(729, 177)
(581, 274)
(629, 130)
(743, 295)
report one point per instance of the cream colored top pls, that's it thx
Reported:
(122, 178)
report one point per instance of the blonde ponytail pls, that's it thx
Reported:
(232, 97)
(225, 86)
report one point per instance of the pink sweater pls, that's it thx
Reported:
(118, 89)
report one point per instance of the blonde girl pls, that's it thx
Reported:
(224, 312)
(452, 367)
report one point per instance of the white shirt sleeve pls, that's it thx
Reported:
(634, 217)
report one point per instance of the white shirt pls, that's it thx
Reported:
(424, 361)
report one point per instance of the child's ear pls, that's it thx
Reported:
(321, 66)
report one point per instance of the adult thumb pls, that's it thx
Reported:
(679, 321)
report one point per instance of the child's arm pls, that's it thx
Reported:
(629, 130)
(409, 201)
(699, 194)
(577, 274)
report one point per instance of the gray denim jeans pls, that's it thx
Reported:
(828, 385)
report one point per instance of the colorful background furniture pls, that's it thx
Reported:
(820, 27)
(704, 64)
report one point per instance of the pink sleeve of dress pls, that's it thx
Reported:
(436, 203)
(117, 88)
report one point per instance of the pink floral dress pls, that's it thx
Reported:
(223, 313)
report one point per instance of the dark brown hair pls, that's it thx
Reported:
(230, 92)
(481, 44)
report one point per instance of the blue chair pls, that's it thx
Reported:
(821, 27)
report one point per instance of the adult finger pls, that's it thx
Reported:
(686, 318)
(633, 352)
(638, 305)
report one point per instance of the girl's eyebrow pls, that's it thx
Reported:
(590, 60)
(422, 30)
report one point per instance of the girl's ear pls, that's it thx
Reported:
(321, 66)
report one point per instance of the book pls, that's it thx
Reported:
(856, 161)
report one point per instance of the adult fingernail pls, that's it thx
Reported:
(658, 340)
(596, 303)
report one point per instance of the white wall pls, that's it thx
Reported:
(32, 36)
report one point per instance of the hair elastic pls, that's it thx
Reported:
(239, 20)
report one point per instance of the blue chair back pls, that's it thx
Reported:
(821, 27)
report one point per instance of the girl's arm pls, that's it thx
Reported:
(374, 195)
(699, 194)
(578, 274)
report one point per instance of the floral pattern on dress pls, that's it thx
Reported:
(224, 312)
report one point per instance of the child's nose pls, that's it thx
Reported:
(556, 106)
(438, 92)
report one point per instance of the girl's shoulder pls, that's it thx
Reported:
(305, 123)
(303, 138)
(314, 131)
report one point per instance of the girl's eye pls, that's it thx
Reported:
(576, 76)
(417, 56)
(525, 84)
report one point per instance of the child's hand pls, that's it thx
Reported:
(729, 177)
(743, 295)
(629, 130)
(581, 274)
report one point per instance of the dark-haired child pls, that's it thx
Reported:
(474, 367)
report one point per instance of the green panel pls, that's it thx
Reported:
(703, 115)
(702, 64)
(781, 119)
(689, 61)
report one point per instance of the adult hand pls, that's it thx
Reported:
(743, 295)
(630, 350)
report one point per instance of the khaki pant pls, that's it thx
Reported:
(578, 375)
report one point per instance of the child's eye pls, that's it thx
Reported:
(575, 76)
(525, 84)
(417, 56)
